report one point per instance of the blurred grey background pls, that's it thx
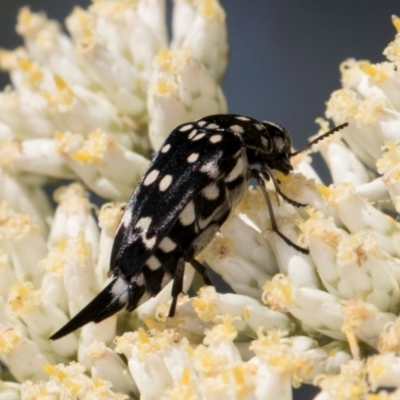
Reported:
(285, 54)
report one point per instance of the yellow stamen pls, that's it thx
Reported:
(185, 379)
(396, 22)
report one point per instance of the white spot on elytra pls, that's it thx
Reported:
(149, 243)
(210, 192)
(201, 123)
(242, 118)
(126, 217)
(193, 158)
(237, 170)
(120, 290)
(199, 136)
(236, 128)
(260, 127)
(192, 134)
(165, 182)
(211, 169)
(143, 224)
(151, 177)
(187, 215)
(166, 148)
(153, 263)
(185, 128)
(138, 279)
(212, 126)
(215, 138)
(167, 245)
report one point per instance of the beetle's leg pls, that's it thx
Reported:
(260, 179)
(198, 245)
(177, 286)
(201, 269)
(277, 188)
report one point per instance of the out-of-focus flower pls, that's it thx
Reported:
(91, 107)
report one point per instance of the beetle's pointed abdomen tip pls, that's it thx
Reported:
(108, 302)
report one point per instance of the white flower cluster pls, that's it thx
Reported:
(87, 106)
(90, 107)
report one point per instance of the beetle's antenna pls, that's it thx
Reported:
(316, 140)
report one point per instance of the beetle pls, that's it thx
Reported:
(189, 189)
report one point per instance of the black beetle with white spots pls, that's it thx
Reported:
(191, 186)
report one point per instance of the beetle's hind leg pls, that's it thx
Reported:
(177, 286)
(260, 180)
(201, 269)
(197, 246)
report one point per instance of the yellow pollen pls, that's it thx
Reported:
(324, 191)
(185, 379)
(63, 98)
(164, 87)
(396, 22)
(94, 149)
(238, 374)
(150, 323)
(60, 83)
(163, 55)
(53, 370)
(10, 59)
(23, 299)
(353, 344)
(25, 64)
(355, 312)
(377, 74)
(376, 365)
(282, 177)
(62, 243)
(16, 225)
(171, 62)
(212, 9)
(97, 350)
(342, 104)
(72, 199)
(9, 338)
(205, 303)
(144, 338)
(25, 16)
(221, 332)
(82, 248)
(278, 293)
(110, 215)
(84, 156)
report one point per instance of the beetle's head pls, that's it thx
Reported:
(281, 147)
(270, 146)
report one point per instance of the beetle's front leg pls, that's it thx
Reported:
(274, 226)
(276, 185)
